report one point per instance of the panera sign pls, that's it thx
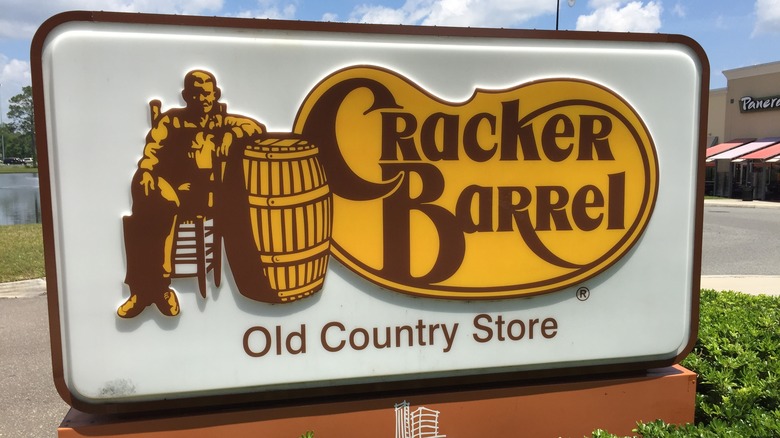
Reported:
(542, 185)
(749, 104)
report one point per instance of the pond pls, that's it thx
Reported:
(20, 201)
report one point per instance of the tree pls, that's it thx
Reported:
(20, 121)
(9, 142)
(20, 112)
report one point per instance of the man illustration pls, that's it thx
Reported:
(181, 169)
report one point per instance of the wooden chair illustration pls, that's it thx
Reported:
(197, 250)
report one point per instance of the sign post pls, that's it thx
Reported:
(286, 213)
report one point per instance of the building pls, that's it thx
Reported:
(743, 154)
(422, 423)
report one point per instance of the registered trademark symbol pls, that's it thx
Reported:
(583, 293)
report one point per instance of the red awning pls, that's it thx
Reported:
(745, 149)
(763, 154)
(718, 148)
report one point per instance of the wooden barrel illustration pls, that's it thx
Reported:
(291, 211)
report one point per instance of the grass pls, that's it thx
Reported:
(17, 169)
(21, 252)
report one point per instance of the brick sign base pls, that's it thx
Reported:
(574, 407)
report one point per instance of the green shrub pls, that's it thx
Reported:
(737, 359)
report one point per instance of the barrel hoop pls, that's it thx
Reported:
(292, 257)
(289, 200)
(281, 155)
(283, 142)
(303, 290)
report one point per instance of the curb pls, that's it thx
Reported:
(748, 284)
(23, 289)
(736, 203)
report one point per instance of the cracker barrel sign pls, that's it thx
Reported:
(337, 195)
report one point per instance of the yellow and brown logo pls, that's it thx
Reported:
(515, 192)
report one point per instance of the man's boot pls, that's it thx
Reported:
(168, 303)
(132, 307)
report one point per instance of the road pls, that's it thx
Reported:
(735, 241)
(31, 407)
(741, 241)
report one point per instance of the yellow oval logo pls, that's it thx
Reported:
(515, 192)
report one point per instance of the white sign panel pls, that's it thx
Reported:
(247, 209)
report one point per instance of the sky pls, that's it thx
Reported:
(733, 33)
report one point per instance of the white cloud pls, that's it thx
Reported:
(150, 6)
(767, 17)
(24, 17)
(14, 74)
(329, 16)
(722, 23)
(622, 16)
(679, 10)
(475, 13)
(379, 15)
(276, 9)
(14, 70)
